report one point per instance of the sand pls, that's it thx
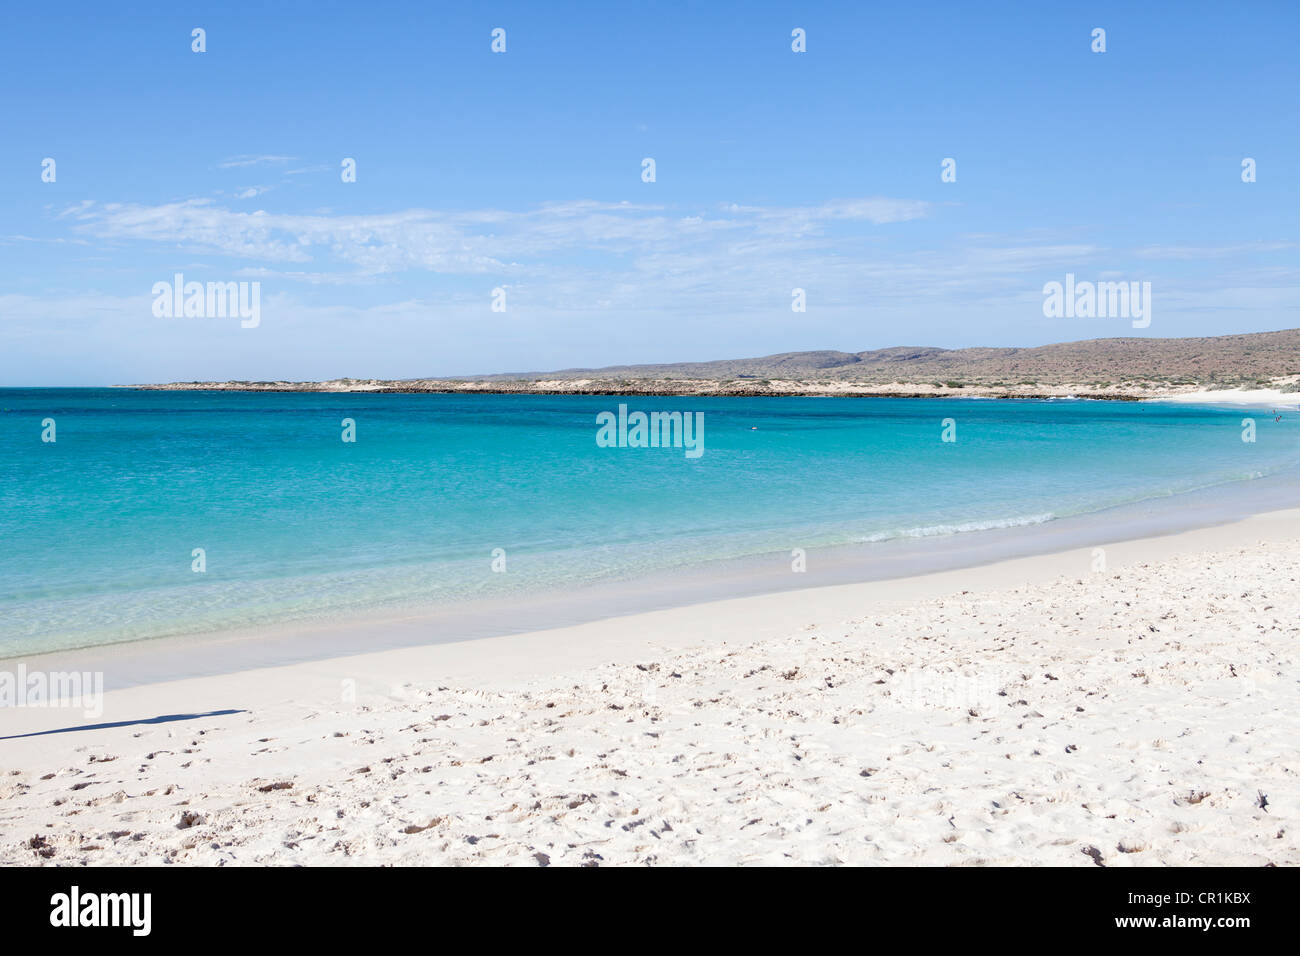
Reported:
(1038, 711)
(1136, 390)
(1254, 397)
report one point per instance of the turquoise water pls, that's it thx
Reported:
(98, 528)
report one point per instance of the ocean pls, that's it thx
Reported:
(156, 514)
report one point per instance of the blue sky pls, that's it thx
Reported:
(522, 171)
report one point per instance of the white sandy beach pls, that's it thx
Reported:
(1034, 711)
(1251, 397)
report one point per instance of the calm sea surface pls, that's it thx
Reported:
(98, 529)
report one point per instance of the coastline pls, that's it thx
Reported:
(1124, 392)
(1123, 369)
(903, 558)
(293, 730)
(958, 519)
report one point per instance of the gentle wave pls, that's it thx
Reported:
(938, 530)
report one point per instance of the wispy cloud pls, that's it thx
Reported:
(1223, 251)
(486, 240)
(235, 162)
(659, 265)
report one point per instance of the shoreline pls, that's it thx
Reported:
(249, 758)
(297, 640)
(767, 613)
(1136, 392)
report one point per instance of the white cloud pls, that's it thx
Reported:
(1225, 251)
(237, 162)
(659, 273)
(481, 241)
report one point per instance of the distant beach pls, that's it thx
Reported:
(1258, 368)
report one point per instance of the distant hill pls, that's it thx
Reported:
(1120, 368)
(1225, 359)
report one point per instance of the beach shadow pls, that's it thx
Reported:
(163, 719)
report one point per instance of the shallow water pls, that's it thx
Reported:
(98, 529)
